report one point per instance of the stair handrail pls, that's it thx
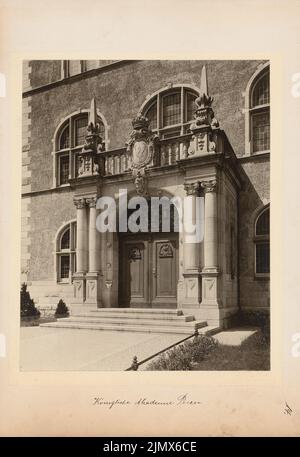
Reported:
(135, 364)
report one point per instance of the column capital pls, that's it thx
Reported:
(91, 202)
(192, 188)
(80, 203)
(209, 185)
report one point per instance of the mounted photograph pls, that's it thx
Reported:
(145, 225)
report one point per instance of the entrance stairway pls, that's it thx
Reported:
(135, 320)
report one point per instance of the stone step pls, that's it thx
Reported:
(174, 312)
(139, 316)
(125, 328)
(143, 322)
(209, 330)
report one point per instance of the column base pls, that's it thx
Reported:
(191, 289)
(210, 307)
(79, 285)
(92, 288)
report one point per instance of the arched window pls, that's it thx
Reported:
(69, 142)
(66, 253)
(262, 243)
(170, 111)
(258, 112)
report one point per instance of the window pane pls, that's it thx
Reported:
(171, 110)
(64, 141)
(261, 92)
(64, 266)
(65, 240)
(151, 114)
(74, 234)
(261, 132)
(80, 130)
(263, 257)
(263, 223)
(190, 106)
(64, 170)
(171, 134)
(74, 67)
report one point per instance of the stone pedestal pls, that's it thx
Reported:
(92, 288)
(79, 286)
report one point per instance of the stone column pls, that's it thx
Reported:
(191, 256)
(210, 226)
(92, 277)
(81, 251)
(210, 304)
(93, 251)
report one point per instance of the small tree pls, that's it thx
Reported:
(28, 308)
(61, 309)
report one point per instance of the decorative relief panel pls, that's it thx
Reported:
(165, 250)
(135, 253)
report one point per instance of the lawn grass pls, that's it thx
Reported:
(252, 354)
(205, 353)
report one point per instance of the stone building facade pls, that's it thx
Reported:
(154, 129)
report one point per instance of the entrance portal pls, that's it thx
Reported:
(148, 270)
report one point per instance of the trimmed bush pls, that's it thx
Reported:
(27, 306)
(61, 310)
(258, 318)
(184, 356)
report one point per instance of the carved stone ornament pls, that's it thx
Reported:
(210, 185)
(192, 188)
(80, 203)
(135, 253)
(91, 202)
(90, 161)
(204, 115)
(165, 251)
(141, 149)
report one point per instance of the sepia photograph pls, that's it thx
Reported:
(145, 232)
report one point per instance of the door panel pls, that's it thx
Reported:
(148, 271)
(133, 274)
(164, 284)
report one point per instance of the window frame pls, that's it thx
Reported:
(251, 111)
(261, 239)
(73, 149)
(180, 128)
(70, 252)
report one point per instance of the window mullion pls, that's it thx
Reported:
(158, 113)
(182, 109)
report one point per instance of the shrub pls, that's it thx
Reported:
(61, 309)
(28, 308)
(183, 357)
(259, 318)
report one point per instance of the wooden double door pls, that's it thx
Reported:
(148, 270)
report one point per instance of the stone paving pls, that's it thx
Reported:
(58, 349)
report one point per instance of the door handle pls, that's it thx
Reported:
(154, 272)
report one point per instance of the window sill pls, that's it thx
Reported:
(257, 153)
(62, 185)
(262, 276)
